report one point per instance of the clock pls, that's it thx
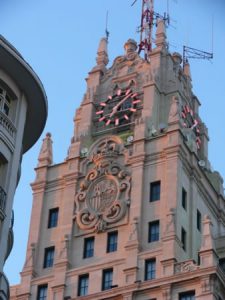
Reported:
(118, 108)
(190, 121)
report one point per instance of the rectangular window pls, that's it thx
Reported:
(183, 238)
(112, 241)
(107, 279)
(49, 257)
(155, 191)
(153, 231)
(89, 247)
(42, 292)
(187, 296)
(150, 266)
(199, 220)
(53, 217)
(83, 285)
(184, 199)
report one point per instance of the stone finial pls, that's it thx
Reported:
(160, 34)
(130, 49)
(102, 54)
(45, 155)
(187, 70)
(177, 58)
(207, 237)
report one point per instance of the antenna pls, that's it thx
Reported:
(149, 19)
(189, 52)
(106, 26)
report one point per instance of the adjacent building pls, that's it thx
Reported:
(134, 211)
(23, 113)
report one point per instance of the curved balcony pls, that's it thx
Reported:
(7, 127)
(4, 287)
(10, 240)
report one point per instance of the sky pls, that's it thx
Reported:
(59, 39)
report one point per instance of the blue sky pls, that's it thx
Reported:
(59, 39)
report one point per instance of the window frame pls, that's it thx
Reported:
(87, 253)
(42, 287)
(53, 221)
(153, 236)
(112, 241)
(187, 294)
(199, 221)
(83, 290)
(105, 283)
(49, 261)
(184, 198)
(152, 262)
(184, 239)
(155, 195)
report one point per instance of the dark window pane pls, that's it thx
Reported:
(154, 191)
(49, 257)
(42, 292)
(83, 285)
(53, 217)
(183, 238)
(150, 266)
(184, 199)
(187, 296)
(112, 241)
(107, 279)
(89, 247)
(153, 233)
(199, 220)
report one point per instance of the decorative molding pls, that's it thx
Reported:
(104, 194)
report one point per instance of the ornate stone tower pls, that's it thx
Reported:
(134, 211)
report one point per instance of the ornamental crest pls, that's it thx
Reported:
(104, 194)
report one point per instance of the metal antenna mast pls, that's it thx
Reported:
(149, 19)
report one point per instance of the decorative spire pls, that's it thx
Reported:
(45, 155)
(160, 34)
(207, 237)
(102, 54)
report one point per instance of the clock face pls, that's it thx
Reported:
(190, 121)
(118, 108)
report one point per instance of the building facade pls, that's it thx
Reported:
(22, 104)
(134, 211)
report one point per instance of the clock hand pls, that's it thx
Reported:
(119, 104)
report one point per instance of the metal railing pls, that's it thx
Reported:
(2, 199)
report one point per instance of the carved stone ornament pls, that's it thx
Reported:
(105, 192)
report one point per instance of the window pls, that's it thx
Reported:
(183, 238)
(4, 101)
(42, 292)
(107, 279)
(49, 257)
(89, 247)
(184, 199)
(199, 220)
(53, 217)
(150, 265)
(154, 191)
(222, 263)
(112, 241)
(153, 231)
(187, 296)
(83, 285)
